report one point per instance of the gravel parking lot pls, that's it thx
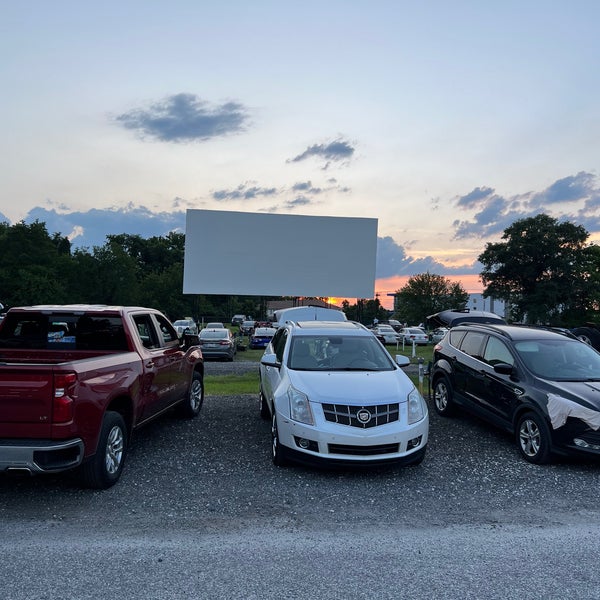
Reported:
(201, 512)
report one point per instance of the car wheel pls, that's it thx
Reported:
(265, 413)
(588, 335)
(442, 397)
(533, 438)
(277, 450)
(194, 399)
(104, 468)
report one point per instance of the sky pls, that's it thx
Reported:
(446, 121)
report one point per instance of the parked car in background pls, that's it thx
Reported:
(540, 384)
(334, 395)
(438, 334)
(395, 324)
(183, 326)
(247, 327)
(238, 319)
(450, 318)
(410, 335)
(261, 337)
(217, 343)
(387, 333)
(214, 325)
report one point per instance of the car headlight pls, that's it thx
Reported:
(416, 407)
(299, 406)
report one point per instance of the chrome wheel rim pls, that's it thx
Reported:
(274, 442)
(196, 395)
(530, 437)
(114, 450)
(441, 396)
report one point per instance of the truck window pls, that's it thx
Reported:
(145, 330)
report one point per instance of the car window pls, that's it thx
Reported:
(214, 334)
(496, 352)
(472, 343)
(455, 337)
(145, 331)
(338, 352)
(279, 343)
(168, 332)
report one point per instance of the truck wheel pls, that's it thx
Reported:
(104, 468)
(192, 403)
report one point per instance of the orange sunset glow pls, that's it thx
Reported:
(390, 285)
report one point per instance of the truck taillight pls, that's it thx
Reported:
(62, 401)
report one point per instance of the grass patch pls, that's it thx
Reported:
(231, 385)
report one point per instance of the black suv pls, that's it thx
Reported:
(542, 385)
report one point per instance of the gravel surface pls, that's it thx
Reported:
(201, 512)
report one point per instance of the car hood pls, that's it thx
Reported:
(353, 387)
(575, 399)
(586, 393)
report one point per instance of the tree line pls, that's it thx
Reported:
(546, 271)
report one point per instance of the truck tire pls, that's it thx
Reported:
(104, 468)
(192, 403)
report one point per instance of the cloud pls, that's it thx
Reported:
(336, 151)
(185, 118)
(244, 191)
(575, 198)
(392, 260)
(306, 186)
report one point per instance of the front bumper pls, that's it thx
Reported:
(332, 443)
(42, 456)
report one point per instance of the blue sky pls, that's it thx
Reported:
(446, 121)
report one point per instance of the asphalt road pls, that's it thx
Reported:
(201, 512)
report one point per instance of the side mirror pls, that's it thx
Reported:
(402, 361)
(190, 339)
(270, 360)
(503, 368)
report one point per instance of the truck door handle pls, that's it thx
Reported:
(149, 364)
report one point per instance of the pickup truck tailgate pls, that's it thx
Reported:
(25, 395)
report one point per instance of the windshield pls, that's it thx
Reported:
(338, 353)
(560, 360)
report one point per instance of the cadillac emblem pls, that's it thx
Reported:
(363, 416)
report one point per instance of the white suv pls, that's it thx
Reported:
(334, 394)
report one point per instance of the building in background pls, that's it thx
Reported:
(493, 305)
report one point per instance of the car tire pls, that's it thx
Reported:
(105, 467)
(277, 450)
(265, 413)
(443, 402)
(191, 405)
(533, 438)
(588, 335)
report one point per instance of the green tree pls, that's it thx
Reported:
(426, 294)
(544, 270)
(33, 265)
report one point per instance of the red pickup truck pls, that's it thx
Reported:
(77, 380)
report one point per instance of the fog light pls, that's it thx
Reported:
(306, 444)
(414, 443)
(583, 444)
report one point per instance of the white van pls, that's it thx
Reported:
(307, 313)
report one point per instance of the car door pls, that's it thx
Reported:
(271, 376)
(157, 388)
(495, 393)
(467, 366)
